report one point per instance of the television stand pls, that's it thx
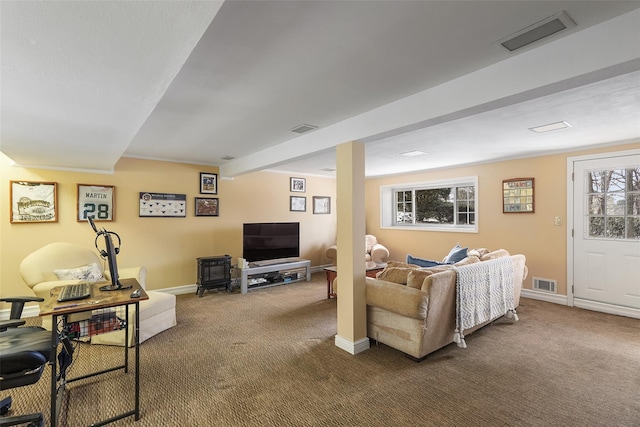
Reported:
(259, 270)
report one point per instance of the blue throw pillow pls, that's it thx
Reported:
(422, 262)
(456, 254)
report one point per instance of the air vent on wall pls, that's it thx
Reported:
(547, 285)
(304, 128)
(538, 31)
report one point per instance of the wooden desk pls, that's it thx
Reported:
(98, 300)
(371, 270)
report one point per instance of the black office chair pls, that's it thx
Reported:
(24, 352)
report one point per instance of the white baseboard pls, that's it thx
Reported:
(580, 303)
(352, 347)
(179, 290)
(544, 296)
(607, 308)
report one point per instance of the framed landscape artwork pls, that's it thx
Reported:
(517, 195)
(96, 201)
(33, 201)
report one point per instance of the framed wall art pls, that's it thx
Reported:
(33, 201)
(97, 201)
(518, 195)
(208, 183)
(207, 206)
(166, 205)
(298, 185)
(321, 205)
(298, 204)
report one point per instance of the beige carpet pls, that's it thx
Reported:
(268, 359)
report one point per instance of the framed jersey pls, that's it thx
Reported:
(97, 201)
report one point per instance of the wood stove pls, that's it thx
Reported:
(214, 272)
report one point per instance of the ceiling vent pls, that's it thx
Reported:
(538, 31)
(304, 128)
(228, 158)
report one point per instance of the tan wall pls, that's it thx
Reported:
(534, 235)
(168, 247)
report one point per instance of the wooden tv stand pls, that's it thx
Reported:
(271, 266)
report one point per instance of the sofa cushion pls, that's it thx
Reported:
(456, 254)
(495, 254)
(395, 274)
(401, 264)
(90, 273)
(470, 259)
(417, 276)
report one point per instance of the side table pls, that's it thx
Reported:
(372, 269)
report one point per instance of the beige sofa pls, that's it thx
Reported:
(41, 269)
(414, 309)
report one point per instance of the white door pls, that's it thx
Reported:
(606, 232)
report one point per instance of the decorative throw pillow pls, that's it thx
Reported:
(456, 254)
(479, 252)
(395, 274)
(416, 277)
(421, 261)
(90, 273)
(498, 253)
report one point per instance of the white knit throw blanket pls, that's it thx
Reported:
(484, 291)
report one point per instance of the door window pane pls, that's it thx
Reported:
(613, 203)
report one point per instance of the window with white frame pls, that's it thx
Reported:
(445, 205)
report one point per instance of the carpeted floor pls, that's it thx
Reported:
(268, 358)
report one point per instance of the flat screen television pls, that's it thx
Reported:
(270, 240)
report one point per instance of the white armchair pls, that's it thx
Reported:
(374, 251)
(38, 270)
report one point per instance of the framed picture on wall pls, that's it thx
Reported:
(168, 205)
(208, 183)
(298, 185)
(33, 201)
(207, 206)
(298, 204)
(97, 201)
(517, 195)
(321, 205)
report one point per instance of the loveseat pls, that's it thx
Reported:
(413, 309)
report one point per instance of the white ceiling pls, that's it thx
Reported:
(85, 83)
